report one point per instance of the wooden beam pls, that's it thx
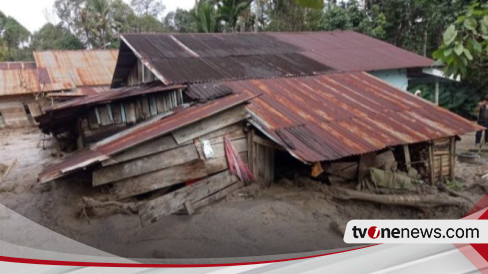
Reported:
(151, 147)
(408, 162)
(452, 157)
(217, 196)
(158, 179)
(431, 163)
(151, 163)
(365, 162)
(172, 202)
(210, 124)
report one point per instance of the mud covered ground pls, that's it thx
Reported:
(288, 217)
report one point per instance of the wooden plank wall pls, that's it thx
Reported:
(163, 162)
(261, 155)
(105, 120)
(442, 154)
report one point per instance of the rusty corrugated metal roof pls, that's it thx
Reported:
(19, 81)
(194, 58)
(68, 69)
(17, 65)
(328, 117)
(206, 92)
(141, 133)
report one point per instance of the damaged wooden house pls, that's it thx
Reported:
(55, 76)
(193, 117)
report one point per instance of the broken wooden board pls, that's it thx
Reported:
(152, 147)
(217, 196)
(159, 179)
(345, 170)
(160, 161)
(168, 142)
(172, 202)
(151, 163)
(210, 124)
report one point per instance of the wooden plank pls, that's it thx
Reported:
(219, 164)
(233, 130)
(130, 111)
(92, 119)
(266, 142)
(139, 113)
(147, 164)
(452, 161)
(116, 113)
(210, 124)
(104, 115)
(250, 149)
(151, 147)
(431, 164)
(160, 104)
(145, 107)
(365, 162)
(218, 195)
(34, 109)
(172, 202)
(406, 153)
(159, 179)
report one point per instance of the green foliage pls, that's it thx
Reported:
(286, 15)
(13, 40)
(180, 21)
(54, 37)
(229, 10)
(312, 4)
(205, 16)
(460, 98)
(454, 185)
(350, 16)
(464, 47)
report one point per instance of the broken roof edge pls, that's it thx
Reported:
(143, 132)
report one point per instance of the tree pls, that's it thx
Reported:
(205, 16)
(230, 10)
(153, 8)
(464, 47)
(54, 37)
(350, 16)
(13, 40)
(286, 15)
(180, 21)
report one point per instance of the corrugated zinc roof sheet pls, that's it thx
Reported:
(68, 69)
(328, 117)
(19, 81)
(141, 133)
(194, 58)
(17, 65)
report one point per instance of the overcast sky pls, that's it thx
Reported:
(32, 14)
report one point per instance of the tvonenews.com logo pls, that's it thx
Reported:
(416, 231)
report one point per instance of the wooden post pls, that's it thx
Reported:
(250, 146)
(408, 162)
(452, 157)
(431, 163)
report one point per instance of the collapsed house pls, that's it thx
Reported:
(26, 87)
(192, 117)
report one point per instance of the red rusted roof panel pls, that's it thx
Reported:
(68, 69)
(328, 117)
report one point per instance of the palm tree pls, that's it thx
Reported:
(205, 16)
(96, 22)
(229, 11)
